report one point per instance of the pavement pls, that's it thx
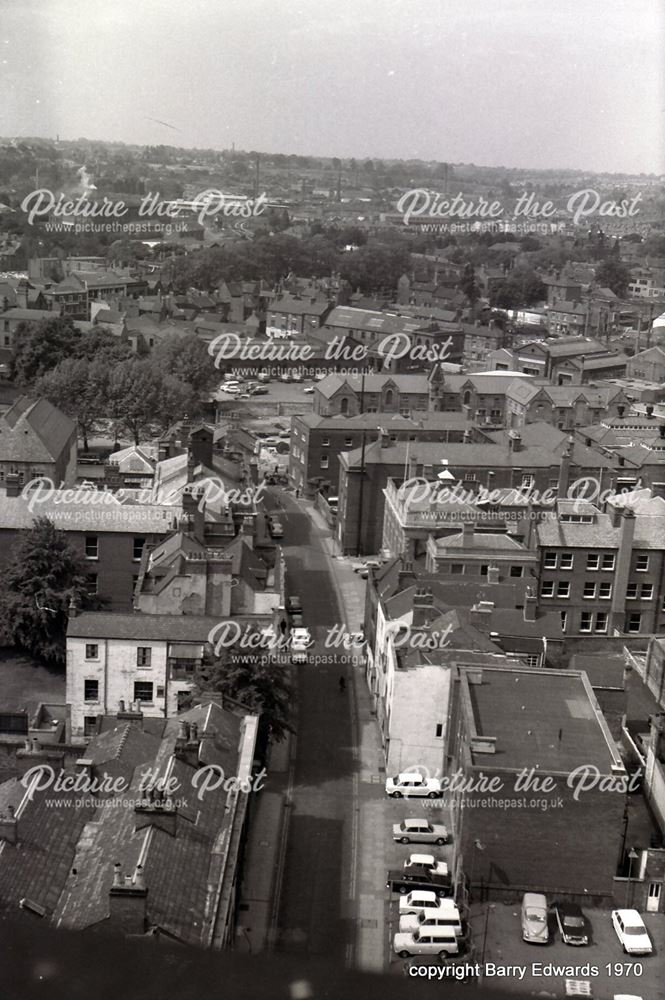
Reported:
(314, 881)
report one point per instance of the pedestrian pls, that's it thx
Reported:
(342, 685)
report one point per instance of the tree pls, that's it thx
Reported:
(257, 682)
(467, 284)
(41, 580)
(140, 396)
(78, 387)
(186, 357)
(614, 275)
(39, 347)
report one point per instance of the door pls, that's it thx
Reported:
(653, 896)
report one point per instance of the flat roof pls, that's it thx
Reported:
(543, 719)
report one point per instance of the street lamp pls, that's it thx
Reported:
(632, 856)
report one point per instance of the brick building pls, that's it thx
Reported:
(36, 440)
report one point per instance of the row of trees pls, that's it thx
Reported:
(94, 375)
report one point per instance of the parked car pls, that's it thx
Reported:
(233, 390)
(309, 389)
(420, 831)
(631, 932)
(572, 923)
(405, 880)
(276, 529)
(285, 377)
(320, 376)
(419, 899)
(445, 915)
(440, 941)
(263, 377)
(534, 918)
(296, 620)
(427, 861)
(296, 377)
(259, 390)
(294, 604)
(413, 784)
(301, 640)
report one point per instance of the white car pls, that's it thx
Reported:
(440, 941)
(420, 831)
(233, 390)
(301, 640)
(418, 900)
(413, 784)
(434, 865)
(309, 389)
(445, 915)
(631, 932)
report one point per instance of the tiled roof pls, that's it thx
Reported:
(166, 628)
(34, 431)
(82, 516)
(483, 540)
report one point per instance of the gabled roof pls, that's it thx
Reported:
(34, 431)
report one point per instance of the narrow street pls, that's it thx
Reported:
(317, 908)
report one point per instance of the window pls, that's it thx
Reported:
(348, 442)
(139, 542)
(604, 591)
(457, 568)
(90, 725)
(550, 560)
(592, 561)
(589, 590)
(642, 564)
(601, 621)
(324, 461)
(563, 588)
(439, 729)
(91, 690)
(533, 660)
(528, 481)
(325, 442)
(585, 621)
(564, 620)
(631, 591)
(634, 622)
(516, 570)
(483, 569)
(608, 560)
(161, 692)
(91, 547)
(91, 583)
(566, 560)
(547, 588)
(647, 592)
(143, 656)
(142, 690)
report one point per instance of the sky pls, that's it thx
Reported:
(517, 83)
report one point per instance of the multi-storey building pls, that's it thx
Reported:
(36, 440)
(604, 572)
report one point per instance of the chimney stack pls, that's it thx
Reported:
(515, 441)
(9, 826)
(128, 902)
(530, 605)
(492, 574)
(468, 528)
(423, 606)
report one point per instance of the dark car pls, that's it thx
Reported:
(572, 923)
(404, 880)
(294, 605)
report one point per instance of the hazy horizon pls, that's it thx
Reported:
(519, 84)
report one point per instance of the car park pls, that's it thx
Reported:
(534, 918)
(572, 923)
(427, 861)
(419, 899)
(446, 914)
(410, 783)
(419, 831)
(440, 941)
(631, 932)
(407, 879)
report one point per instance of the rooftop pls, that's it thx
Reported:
(543, 719)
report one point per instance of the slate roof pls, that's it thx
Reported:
(166, 628)
(34, 431)
(85, 516)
